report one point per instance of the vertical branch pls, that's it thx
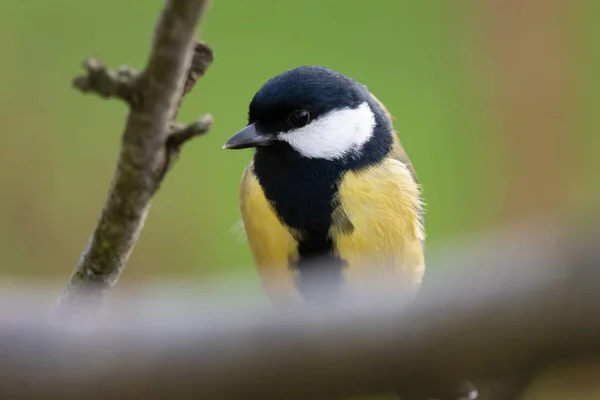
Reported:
(150, 140)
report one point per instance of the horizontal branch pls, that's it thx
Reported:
(527, 306)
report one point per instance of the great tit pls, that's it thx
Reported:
(330, 197)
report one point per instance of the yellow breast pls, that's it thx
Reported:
(383, 205)
(271, 243)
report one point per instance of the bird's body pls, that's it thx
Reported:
(330, 199)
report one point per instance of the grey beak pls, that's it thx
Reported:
(246, 138)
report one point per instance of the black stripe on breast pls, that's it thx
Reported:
(302, 192)
(320, 268)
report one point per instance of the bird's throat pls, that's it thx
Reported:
(303, 192)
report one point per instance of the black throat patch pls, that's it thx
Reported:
(303, 193)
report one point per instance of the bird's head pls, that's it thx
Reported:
(317, 112)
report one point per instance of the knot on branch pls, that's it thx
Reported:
(120, 83)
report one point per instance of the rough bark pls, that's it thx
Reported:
(150, 144)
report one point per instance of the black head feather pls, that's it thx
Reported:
(316, 89)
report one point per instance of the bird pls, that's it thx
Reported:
(330, 197)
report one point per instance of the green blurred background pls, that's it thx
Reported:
(496, 102)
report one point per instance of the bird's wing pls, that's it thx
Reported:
(382, 203)
(397, 152)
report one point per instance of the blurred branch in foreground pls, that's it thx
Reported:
(150, 144)
(495, 311)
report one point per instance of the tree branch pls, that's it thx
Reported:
(487, 317)
(179, 134)
(107, 83)
(150, 145)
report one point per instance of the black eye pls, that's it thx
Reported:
(299, 118)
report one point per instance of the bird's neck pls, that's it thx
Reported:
(300, 189)
(302, 193)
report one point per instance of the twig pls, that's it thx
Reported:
(528, 310)
(149, 144)
(180, 134)
(106, 83)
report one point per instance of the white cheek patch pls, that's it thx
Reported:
(333, 135)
